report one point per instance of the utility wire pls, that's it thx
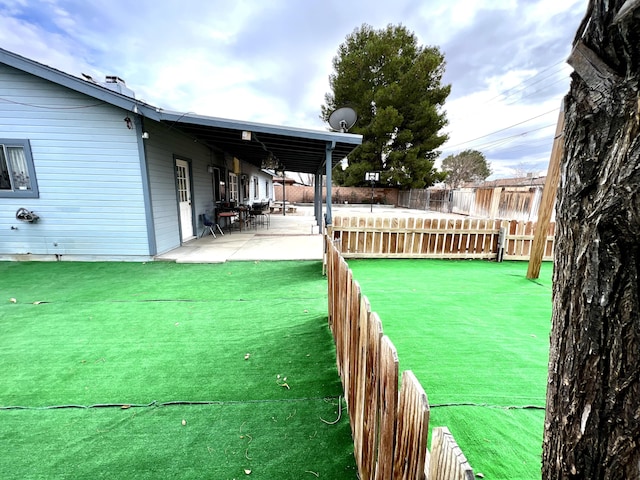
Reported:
(78, 107)
(510, 138)
(524, 82)
(537, 91)
(500, 130)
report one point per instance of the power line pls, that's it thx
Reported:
(519, 86)
(538, 90)
(502, 129)
(509, 139)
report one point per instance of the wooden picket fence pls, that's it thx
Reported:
(417, 237)
(389, 428)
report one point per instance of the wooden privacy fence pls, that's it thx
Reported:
(417, 237)
(519, 201)
(389, 428)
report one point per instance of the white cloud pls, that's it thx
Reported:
(270, 61)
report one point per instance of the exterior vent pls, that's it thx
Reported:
(115, 83)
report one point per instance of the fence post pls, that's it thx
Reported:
(547, 202)
(502, 238)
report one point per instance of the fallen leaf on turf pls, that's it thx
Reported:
(184, 422)
(13, 300)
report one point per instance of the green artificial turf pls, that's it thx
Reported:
(476, 334)
(240, 351)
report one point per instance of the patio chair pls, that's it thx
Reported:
(210, 225)
(258, 215)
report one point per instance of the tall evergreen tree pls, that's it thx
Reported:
(395, 86)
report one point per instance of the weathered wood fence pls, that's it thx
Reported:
(519, 202)
(389, 428)
(417, 237)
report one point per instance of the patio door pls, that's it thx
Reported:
(183, 183)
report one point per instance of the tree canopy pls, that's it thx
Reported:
(466, 166)
(395, 86)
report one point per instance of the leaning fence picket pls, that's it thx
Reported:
(371, 418)
(388, 408)
(447, 460)
(411, 433)
(355, 361)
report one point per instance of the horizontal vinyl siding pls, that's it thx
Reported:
(163, 146)
(88, 172)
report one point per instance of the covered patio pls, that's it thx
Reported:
(273, 147)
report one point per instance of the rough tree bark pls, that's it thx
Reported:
(592, 425)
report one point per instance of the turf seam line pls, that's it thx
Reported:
(168, 300)
(155, 403)
(487, 405)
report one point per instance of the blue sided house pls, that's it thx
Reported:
(89, 172)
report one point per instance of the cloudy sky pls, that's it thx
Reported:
(269, 60)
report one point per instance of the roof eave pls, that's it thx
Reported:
(176, 117)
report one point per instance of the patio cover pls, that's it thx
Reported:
(299, 150)
(296, 149)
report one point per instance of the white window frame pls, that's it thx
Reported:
(233, 187)
(21, 184)
(256, 188)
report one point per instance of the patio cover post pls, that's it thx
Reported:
(317, 198)
(329, 165)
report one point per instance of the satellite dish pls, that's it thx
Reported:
(343, 119)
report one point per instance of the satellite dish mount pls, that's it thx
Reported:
(343, 119)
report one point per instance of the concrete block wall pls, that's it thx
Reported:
(304, 194)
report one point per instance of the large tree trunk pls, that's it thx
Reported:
(592, 427)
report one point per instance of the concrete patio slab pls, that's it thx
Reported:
(287, 237)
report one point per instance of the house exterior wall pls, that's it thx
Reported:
(162, 148)
(87, 163)
(265, 184)
(104, 193)
(164, 145)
